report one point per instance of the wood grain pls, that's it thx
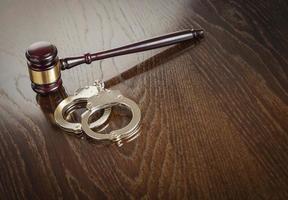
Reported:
(214, 114)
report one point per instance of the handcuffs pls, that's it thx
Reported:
(96, 98)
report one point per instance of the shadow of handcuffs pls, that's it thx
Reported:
(57, 105)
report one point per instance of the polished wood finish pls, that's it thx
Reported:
(148, 44)
(44, 64)
(214, 114)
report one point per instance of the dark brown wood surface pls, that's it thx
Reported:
(215, 114)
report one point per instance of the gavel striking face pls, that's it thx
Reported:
(45, 66)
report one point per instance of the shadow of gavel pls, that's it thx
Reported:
(45, 66)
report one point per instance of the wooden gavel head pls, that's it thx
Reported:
(44, 67)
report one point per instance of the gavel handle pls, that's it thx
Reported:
(157, 42)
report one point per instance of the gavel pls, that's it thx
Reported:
(45, 66)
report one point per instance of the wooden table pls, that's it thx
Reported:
(215, 114)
